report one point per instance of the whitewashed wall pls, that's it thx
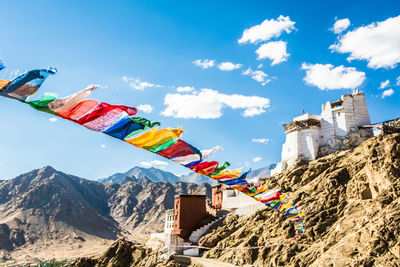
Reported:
(309, 143)
(233, 199)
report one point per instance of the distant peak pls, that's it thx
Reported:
(47, 169)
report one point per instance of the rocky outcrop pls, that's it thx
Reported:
(124, 254)
(352, 206)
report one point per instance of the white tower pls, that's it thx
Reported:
(337, 128)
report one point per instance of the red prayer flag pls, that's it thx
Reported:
(205, 168)
(179, 149)
(79, 110)
(276, 197)
(102, 109)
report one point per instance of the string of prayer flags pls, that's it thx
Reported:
(121, 122)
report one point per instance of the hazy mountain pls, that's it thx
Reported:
(157, 175)
(154, 174)
(193, 177)
(262, 172)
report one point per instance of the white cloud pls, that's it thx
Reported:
(229, 66)
(398, 81)
(329, 77)
(208, 104)
(102, 86)
(153, 163)
(378, 43)
(257, 159)
(267, 30)
(261, 140)
(276, 51)
(183, 89)
(341, 25)
(137, 84)
(387, 92)
(103, 146)
(204, 63)
(384, 84)
(260, 66)
(146, 108)
(257, 75)
(53, 119)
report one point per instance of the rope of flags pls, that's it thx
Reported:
(388, 170)
(121, 122)
(242, 248)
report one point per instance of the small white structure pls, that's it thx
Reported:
(161, 240)
(169, 221)
(308, 135)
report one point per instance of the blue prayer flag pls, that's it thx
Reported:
(26, 84)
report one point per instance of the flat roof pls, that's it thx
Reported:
(189, 195)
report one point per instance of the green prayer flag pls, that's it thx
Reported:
(222, 166)
(163, 146)
(43, 103)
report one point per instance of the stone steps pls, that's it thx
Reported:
(195, 235)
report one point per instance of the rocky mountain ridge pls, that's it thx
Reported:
(46, 207)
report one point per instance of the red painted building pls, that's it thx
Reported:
(190, 214)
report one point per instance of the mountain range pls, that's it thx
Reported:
(157, 175)
(47, 211)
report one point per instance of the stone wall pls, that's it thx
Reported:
(361, 111)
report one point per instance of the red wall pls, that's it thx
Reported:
(190, 210)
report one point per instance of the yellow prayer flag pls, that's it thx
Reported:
(155, 137)
(228, 173)
(3, 82)
(263, 188)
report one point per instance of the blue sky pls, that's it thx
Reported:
(141, 52)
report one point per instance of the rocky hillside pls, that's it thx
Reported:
(124, 254)
(352, 205)
(45, 208)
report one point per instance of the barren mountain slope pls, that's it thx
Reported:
(352, 208)
(46, 204)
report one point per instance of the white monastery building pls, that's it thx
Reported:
(338, 127)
